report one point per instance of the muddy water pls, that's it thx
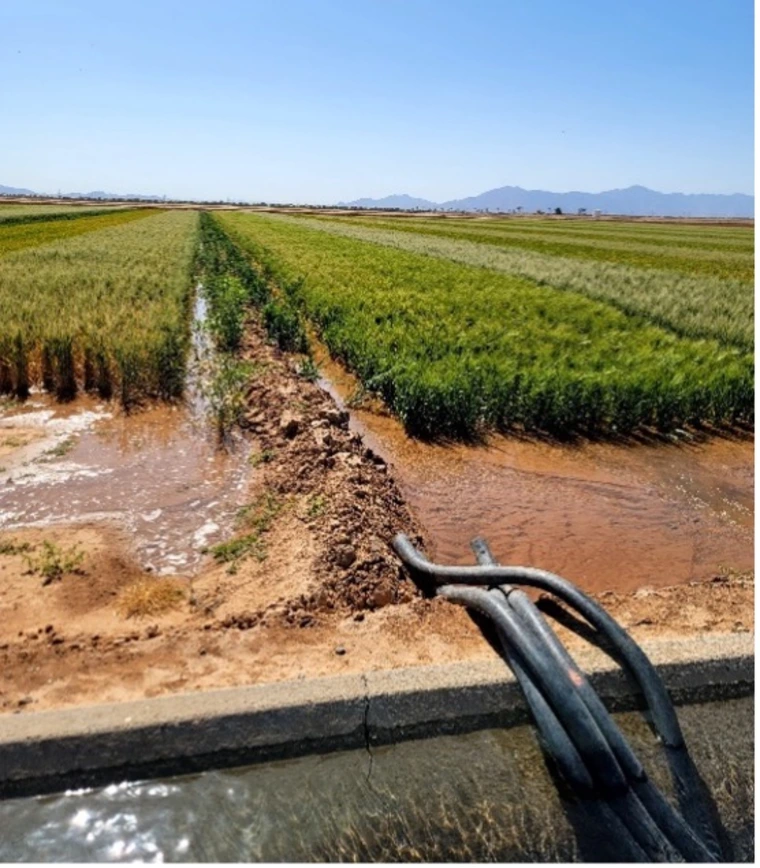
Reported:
(607, 517)
(158, 474)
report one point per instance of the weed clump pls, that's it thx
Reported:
(150, 596)
(53, 562)
(256, 519)
(11, 547)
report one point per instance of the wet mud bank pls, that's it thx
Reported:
(605, 516)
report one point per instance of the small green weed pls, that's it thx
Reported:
(315, 506)
(309, 370)
(60, 449)
(226, 393)
(263, 457)
(54, 562)
(256, 519)
(260, 514)
(11, 547)
(235, 550)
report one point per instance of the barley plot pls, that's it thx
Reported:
(455, 349)
(692, 305)
(107, 310)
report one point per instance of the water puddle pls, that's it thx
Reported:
(607, 517)
(158, 473)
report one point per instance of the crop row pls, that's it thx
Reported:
(107, 310)
(691, 307)
(18, 236)
(233, 283)
(14, 215)
(696, 259)
(455, 350)
(656, 234)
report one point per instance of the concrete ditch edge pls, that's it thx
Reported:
(54, 750)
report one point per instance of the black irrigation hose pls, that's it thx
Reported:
(556, 686)
(674, 826)
(569, 708)
(577, 730)
(557, 742)
(663, 716)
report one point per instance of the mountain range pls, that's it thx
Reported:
(94, 194)
(636, 200)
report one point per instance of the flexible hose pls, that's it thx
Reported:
(672, 824)
(555, 684)
(556, 741)
(663, 716)
(526, 638)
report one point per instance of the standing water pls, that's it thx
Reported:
(605, 516)
(158, 474)
(484, 796)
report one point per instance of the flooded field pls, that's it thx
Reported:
(608, 517)
(157, 474)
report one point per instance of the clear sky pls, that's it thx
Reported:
(327, 100)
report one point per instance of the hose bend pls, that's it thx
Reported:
(575, 727)
(663, 716)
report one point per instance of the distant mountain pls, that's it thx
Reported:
(636, 200)
(14, 191)
(406, 203)
(95, 194)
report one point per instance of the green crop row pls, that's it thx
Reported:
(456, 350)
(232, 282)
(20, 235)
(692, 259)
(107, 310)
(655, 234)
(691, 307)
(40, 213)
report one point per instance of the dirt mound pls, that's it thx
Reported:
(348, 498)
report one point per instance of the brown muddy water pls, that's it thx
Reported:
(607, 517)
(158, 474)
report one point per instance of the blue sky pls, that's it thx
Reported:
(327, 100)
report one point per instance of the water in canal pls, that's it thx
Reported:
(483, 796)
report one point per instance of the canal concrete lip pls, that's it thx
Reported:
(86, 746)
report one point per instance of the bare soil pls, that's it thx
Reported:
(321, 592)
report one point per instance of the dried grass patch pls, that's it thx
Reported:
(150, 596)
